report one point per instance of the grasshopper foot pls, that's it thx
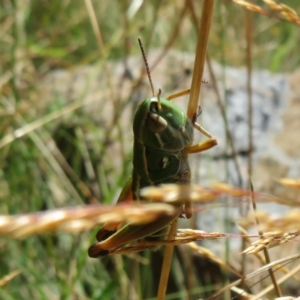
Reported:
(95, 251)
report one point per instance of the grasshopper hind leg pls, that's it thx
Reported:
(109, 228)
(131, 233)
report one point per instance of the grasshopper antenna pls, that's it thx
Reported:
(147, 66)
(158, 99)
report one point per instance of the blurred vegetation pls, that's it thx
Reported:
(47, 167)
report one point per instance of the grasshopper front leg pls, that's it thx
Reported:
(202, 146)
(205, 145)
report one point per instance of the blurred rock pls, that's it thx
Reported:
(275, 120)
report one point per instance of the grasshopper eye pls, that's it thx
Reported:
(156, 123)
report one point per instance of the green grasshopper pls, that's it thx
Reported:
(163, 138)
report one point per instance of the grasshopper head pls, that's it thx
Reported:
(162, 125)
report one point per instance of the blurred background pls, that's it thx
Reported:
(71, 76)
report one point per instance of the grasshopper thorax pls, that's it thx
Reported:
(161, 125)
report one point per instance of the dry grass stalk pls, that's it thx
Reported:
(265, 250)
(260, 257)
(281, 261)
(27, 128)
(172, 193)
(270, 240)
(204, 252)
(101, 46)
(183, 236)
(241, 292)
(291, 273)
(6, 279)
(249, 6)
(77, 219)
(286, 223)
(288, 13)
(278, 11)
(223, 188)
(292, 183)
(203, 34)
(165, 270)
